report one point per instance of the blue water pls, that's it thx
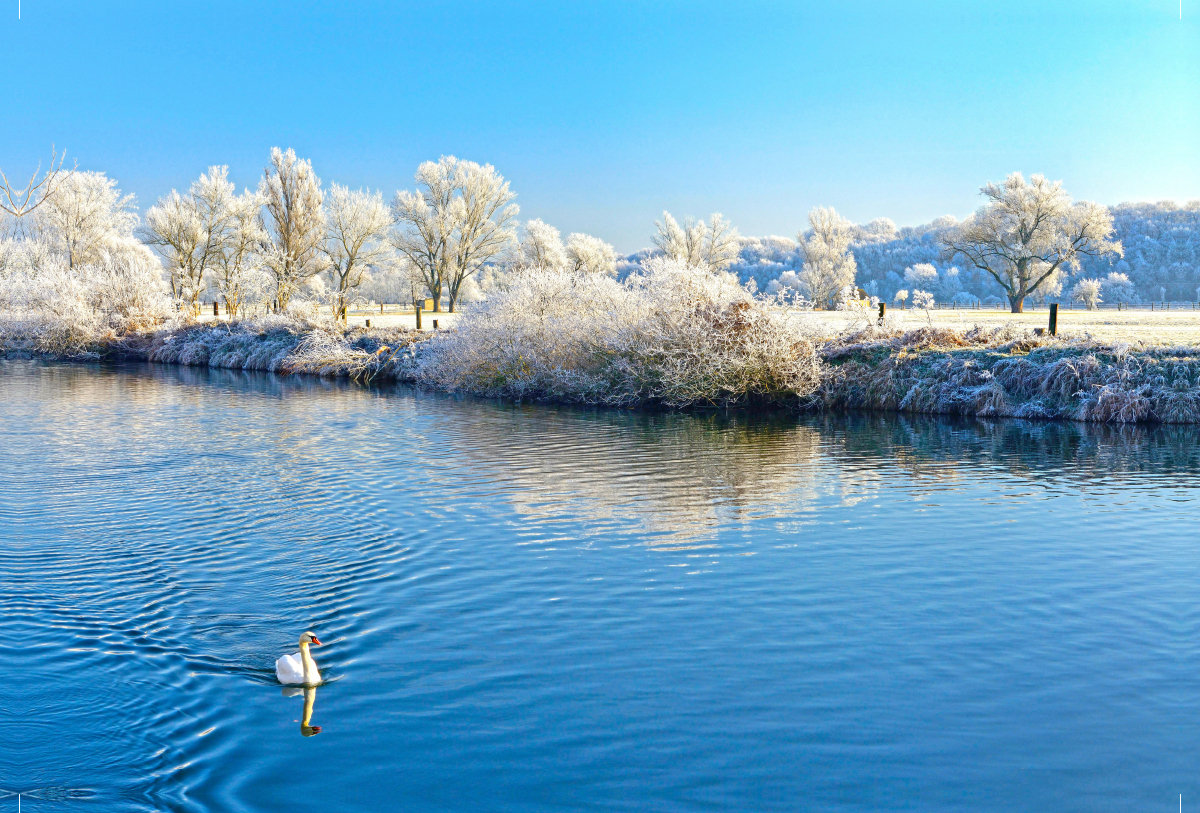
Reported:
(534, 608)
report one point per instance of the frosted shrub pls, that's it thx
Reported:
(126, 287)
(1088, 292)
(674, 335)
(54, 309)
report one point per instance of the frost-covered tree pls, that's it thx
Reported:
(712, 246)
(591, 255)
(191, 231)
(1117, 288)
(173, 227)
(923, 275)
(542, 247)
(240, 276)
(356, 229)
(828, 263)
(86, 216)
(1028, 232)
(1087, 291)
(126, 281)
(923, 300)
(901, 297)
(292, 195)
(461, 220)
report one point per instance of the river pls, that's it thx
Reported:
(529, 608)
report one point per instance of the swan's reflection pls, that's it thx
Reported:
(310, 697)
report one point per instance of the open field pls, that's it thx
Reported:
(1179, 325)
(393, 317)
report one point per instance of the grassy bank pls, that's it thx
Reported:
(673, 339)
(979, 372)
(1004, 372)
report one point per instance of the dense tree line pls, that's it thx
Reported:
(456, 238)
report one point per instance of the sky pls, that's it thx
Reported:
(602, 115)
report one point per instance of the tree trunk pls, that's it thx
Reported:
(1018, 303)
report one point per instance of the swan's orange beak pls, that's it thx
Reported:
(315, 641)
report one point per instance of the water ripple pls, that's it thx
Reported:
(531, 607)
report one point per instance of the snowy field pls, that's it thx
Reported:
(1179, 325)
(393, 316)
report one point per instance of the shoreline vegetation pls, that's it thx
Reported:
(675, 338)
(680, 326)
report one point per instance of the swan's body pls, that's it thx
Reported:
(299, 667)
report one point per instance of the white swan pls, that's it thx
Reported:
(299, 668)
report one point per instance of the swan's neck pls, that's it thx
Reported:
(310, 666)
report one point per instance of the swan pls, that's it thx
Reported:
(300, 667)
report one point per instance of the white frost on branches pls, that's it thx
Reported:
(712, 246)
(1029, 233)
(292, 194)
(357, 224)
(462, 219)
(1088, 292)
(828, 264)
(86, 216)
(673, 334)
(591, 255)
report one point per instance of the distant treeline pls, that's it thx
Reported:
(1161, 242)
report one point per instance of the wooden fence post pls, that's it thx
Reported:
(418, 307)
(1053, 318)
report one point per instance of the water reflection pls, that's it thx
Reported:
(678, 477)
(310, 697)
(514, 584)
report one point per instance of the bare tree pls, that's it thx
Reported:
(292, 195)
(828, 264)
(1027, 232)
(357, 225)
(461, 220)
(712, 246)
(20, 202)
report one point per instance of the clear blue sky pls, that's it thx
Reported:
(604, 114)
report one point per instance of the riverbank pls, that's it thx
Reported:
(1010, 373)
(1003, 372)
(276, 344)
